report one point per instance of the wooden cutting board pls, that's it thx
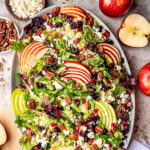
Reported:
(13, 135)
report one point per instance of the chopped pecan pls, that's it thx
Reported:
(122, 107)
(78, 29)
(49, 60)
(73, 137)
(81, 57)
(78, 147)
(114, 73)
(68, 100)
(28, 133)
(98, 129)
(108, 101)
(31, 103)
(39, 31)
(45, 16)
(94, 147)
(61, 127)
(10, 25)
(49, 75)
(58, 35)
(110, 133)
(90, 20)
(106, 34)
(87, 105)
(55, 10)
(99, 76)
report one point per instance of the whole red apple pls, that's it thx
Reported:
(144, 79)
(115, 8)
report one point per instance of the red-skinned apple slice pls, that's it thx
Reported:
(80, 72)
(133, 31)
(74, 11)
(78, 80)
(31, 53)
(74, 74)
(112, 54)
(78, 66)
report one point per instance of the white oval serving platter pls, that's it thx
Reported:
(15, 66)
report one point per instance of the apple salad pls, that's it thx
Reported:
(73, 90)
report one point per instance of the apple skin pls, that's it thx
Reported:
(144, 79)
(115, 8)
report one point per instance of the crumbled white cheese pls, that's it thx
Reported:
(40, 38)
(54, 134)
(91, 135)
(98, 142)
(80, 140)
(25, 8)
(84, 128)
(89, 97)
(123, 97)
(43, 141)
(118, 67)
(63, 103)
(57, 85)
(66, 132)
(23, 129)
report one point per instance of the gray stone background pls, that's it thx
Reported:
(137, 57)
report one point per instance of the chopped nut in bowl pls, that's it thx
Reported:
(8, 33)
(24, 9)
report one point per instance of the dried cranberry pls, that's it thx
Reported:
(57, 51)
(75, 51)
(62, 15)
(92, 114)
(83, 101)
(109, 41)
(92, 80)
(100, 28)
(73, 25)
(58, 25)
(84, 48)
(36, 148)
(79, 24)
(53, 124)
(83, 133)
(91, 67)
(57, 103)
(77, 41)
(95, 111)
(91, 140)
(89, 56)
(50, 24)
(69, 19)
(113, 125)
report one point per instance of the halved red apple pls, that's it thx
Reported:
(112, 54)
(74, 74)
(133, 31)
(31, 53)
(74, 11)
(88, 78)
(78, 66)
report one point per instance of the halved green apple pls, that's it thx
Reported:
(107, 113)
(31, 53)
(18, 102)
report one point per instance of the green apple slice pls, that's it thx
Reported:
(107, 114)
(17, 101)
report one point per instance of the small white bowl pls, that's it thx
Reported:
(5, 18)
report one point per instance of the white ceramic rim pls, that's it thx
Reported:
(116, 44)
(5, 18)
